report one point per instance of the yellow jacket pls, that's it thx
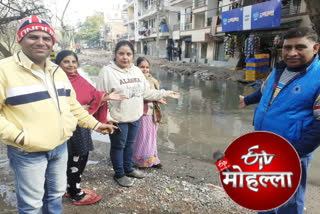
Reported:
(28, 107)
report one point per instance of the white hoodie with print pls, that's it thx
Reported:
(130, 82)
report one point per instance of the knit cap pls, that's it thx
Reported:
(32, 23)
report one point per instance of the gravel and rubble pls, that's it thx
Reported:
(184, 185)
(201, 71)
(197, 70)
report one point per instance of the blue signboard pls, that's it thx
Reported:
(263, 15)
(231, 20)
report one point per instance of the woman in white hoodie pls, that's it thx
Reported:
(121, 75)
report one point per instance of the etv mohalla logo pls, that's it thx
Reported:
(259, 166)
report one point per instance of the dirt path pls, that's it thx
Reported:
(193, 185)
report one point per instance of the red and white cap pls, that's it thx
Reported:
(32, 23)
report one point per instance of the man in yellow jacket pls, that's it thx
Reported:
(38, 114)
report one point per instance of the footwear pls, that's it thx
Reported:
(158, 166)
(124, 181)
(135, 174)
(87, 191)
(90, 200)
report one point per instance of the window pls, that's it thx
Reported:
(146, 4)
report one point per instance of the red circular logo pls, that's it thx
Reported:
(260, 171)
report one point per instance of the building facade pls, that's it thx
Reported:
(197, 26)
(114, 29)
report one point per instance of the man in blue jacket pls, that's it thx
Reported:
(289, 104)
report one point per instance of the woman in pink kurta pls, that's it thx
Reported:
(145, 152)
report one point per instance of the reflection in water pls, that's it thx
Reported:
(206, 117)
(7, 195)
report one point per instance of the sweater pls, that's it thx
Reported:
(130, 82)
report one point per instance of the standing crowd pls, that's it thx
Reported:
(48, 110)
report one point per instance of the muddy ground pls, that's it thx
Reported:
(206, 72)
(193, 184)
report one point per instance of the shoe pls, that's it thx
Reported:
(87, 191)
(158, 166)
(90, 200)
(135, 174)
(124, 181)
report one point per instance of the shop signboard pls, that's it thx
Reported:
(263, 15)
(267, 14)
(232, 20)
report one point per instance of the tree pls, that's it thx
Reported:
(313, 7)
(90, 30)
(9, 37)
(10, 12)
(63, 43)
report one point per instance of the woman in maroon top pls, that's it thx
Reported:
(80, 143)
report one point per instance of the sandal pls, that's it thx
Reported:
(90, 200)
(87, 191)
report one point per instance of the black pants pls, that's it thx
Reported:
(76, 166)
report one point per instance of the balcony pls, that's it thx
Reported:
(199, 3)
(148, 11)
(290, 7)
(126, 21)
(176, 27)
(151, 32)
(187, 26)
(181, 3)
(126, 6)
(179, 27)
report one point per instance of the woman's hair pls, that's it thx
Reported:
(62, 54)
(141, 59)
(123, 43)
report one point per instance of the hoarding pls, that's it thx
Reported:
(263, 15)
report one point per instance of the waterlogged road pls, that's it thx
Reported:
(205, 119)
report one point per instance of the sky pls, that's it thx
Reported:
(78, 10)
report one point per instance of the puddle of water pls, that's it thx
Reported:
(8, 195)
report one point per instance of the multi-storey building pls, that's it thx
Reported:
(129, 20)
(114, 24)
(197, 26)
(150, 24)
(194, 30)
